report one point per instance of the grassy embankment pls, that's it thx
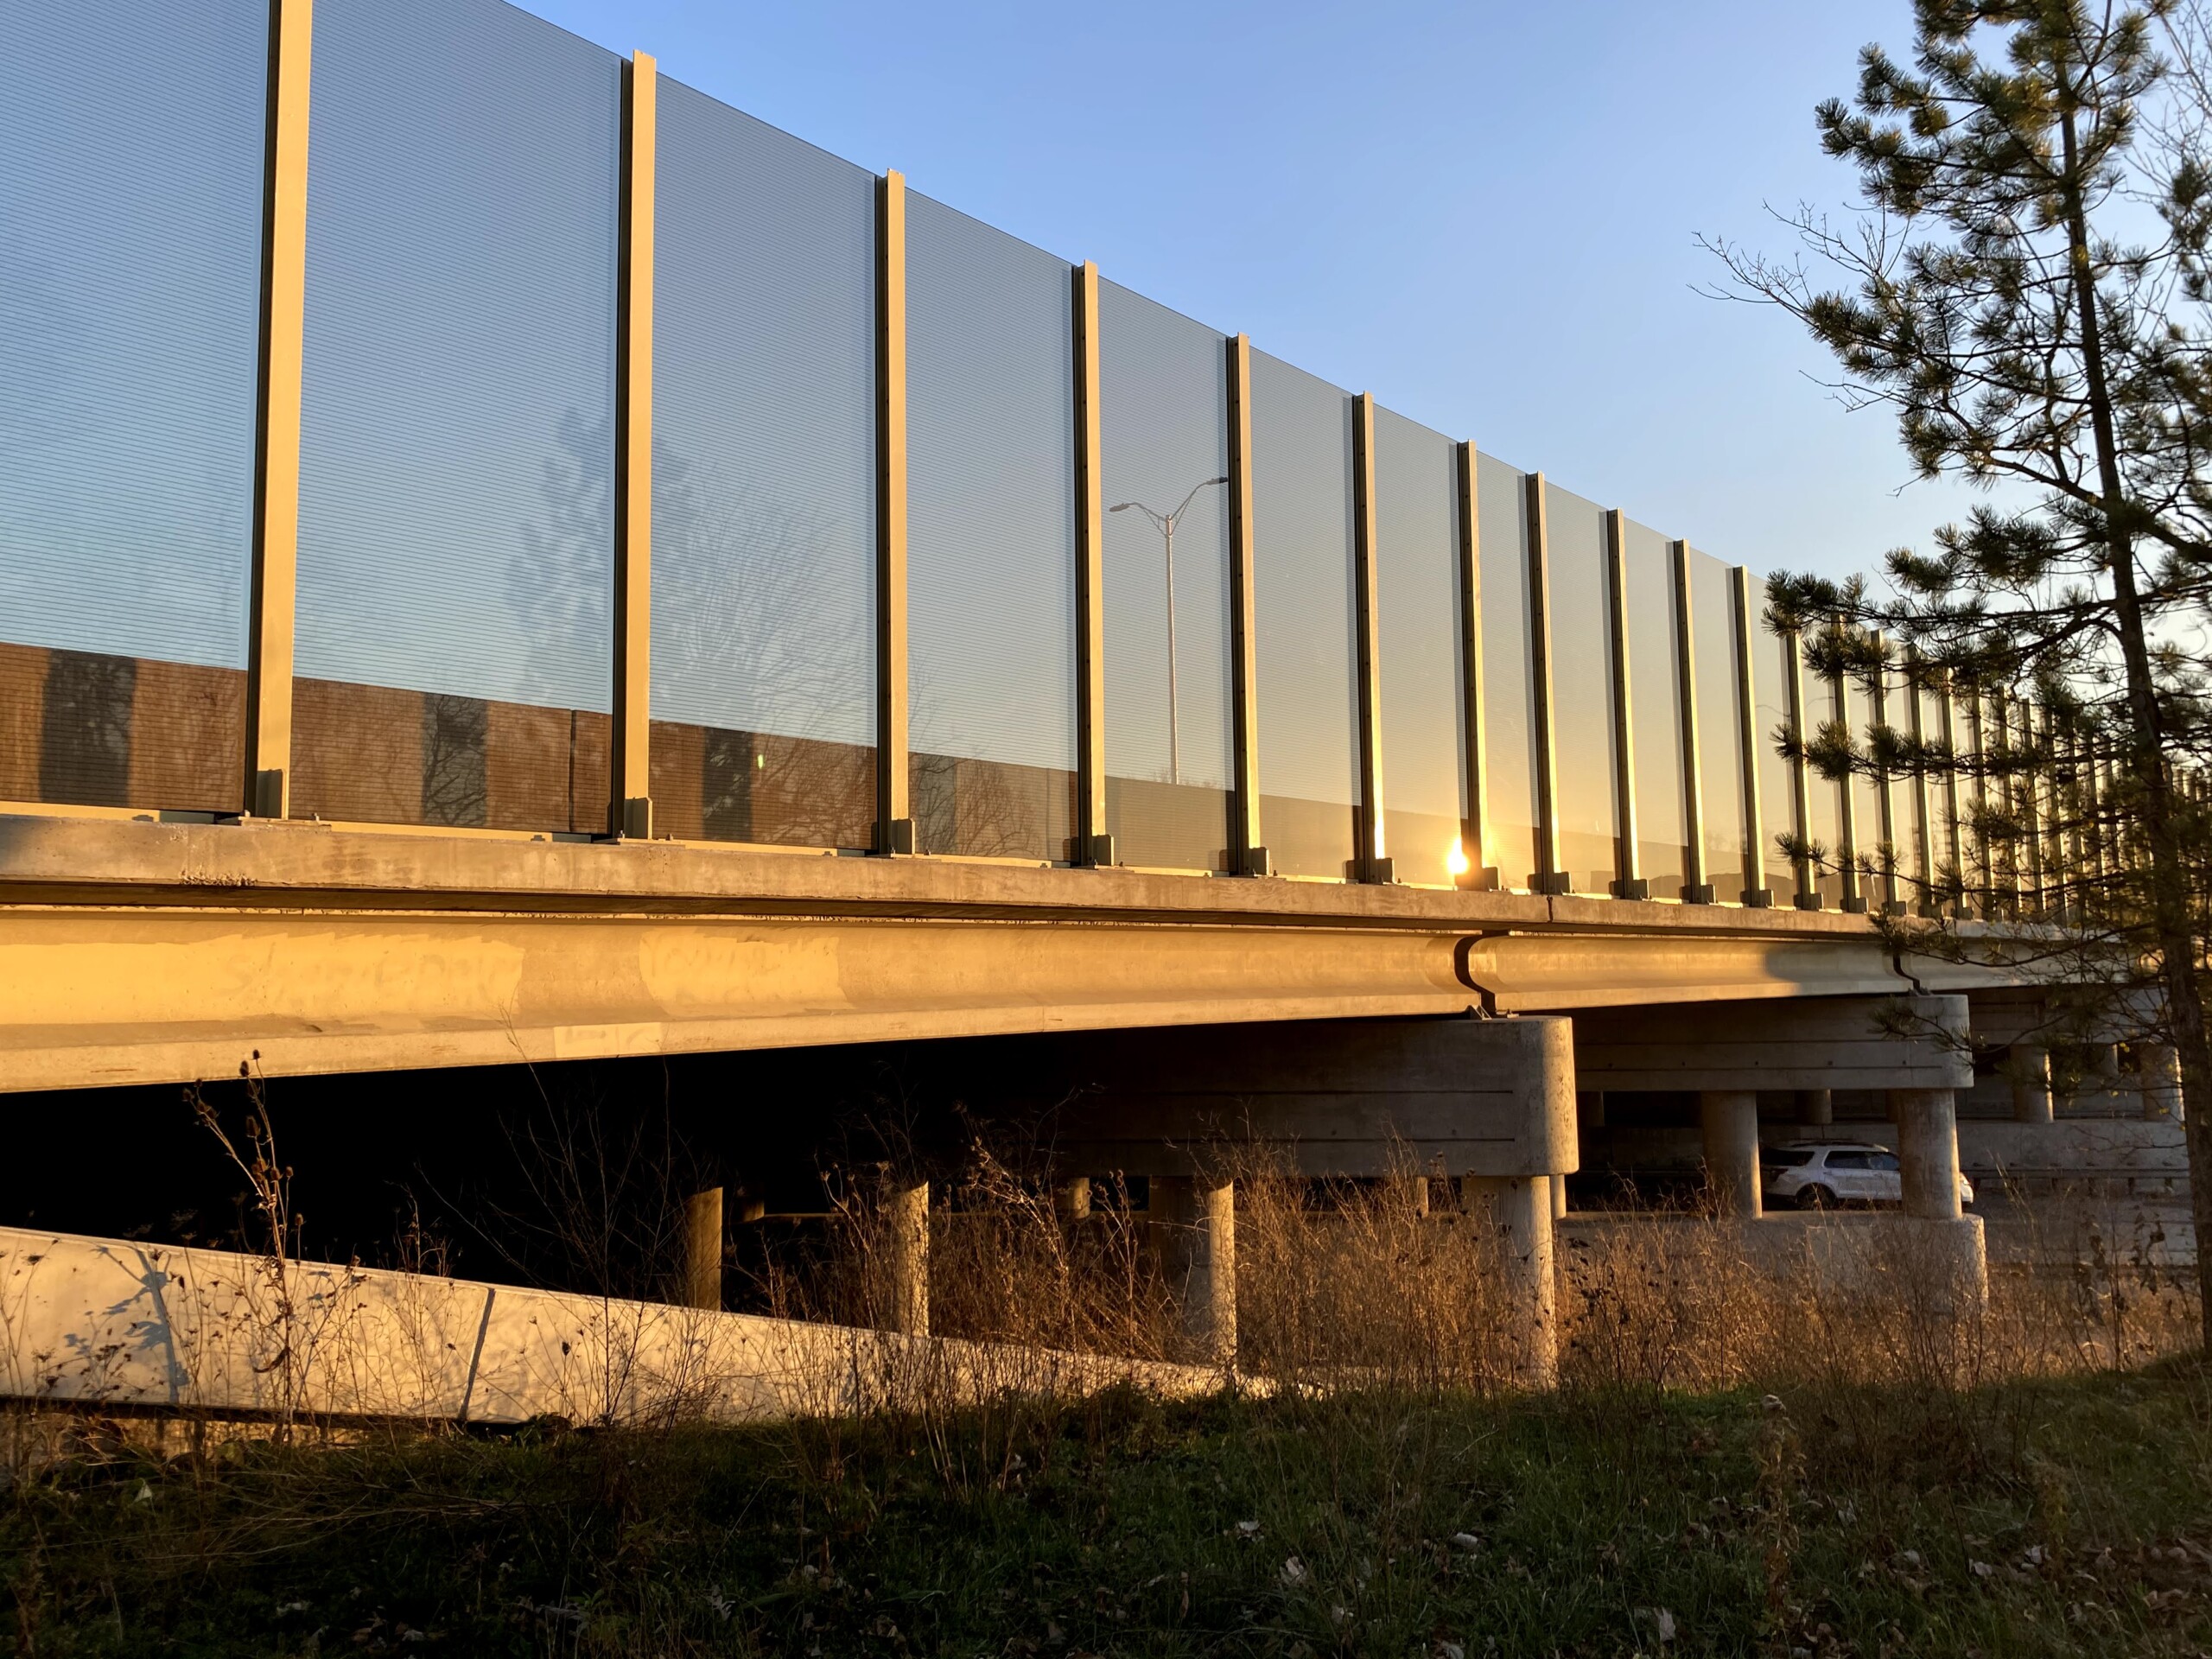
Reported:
(2056, 1516)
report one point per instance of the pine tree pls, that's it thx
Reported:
(2025, 289)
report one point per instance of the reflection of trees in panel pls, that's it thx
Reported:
(94, 729)
(749, 621)
(560, 585)
(990, 809)
(357, 751)
(454, 733)
(85, 736)
(1177, 826)
(22, 717)
(977, 808)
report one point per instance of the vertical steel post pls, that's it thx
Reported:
(1549, 878)
(1985, 878)
(1251, 851)
(1800, 774)
(1952, 848)
(1924, 816)
(894, 824)
(1628, 857)
(1373, 860)
(2095, 858)
(1885, 805)
(1697, 880)
(1474, 829)
(2008, 880)
(1846, 805)
(1093, 846)
(630, 809)
(2065, 810)
(1757, 894)
(267, 761)
(2027, 720)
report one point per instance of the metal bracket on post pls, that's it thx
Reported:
(270, 798)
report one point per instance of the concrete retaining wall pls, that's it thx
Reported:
(96, 1320)
(2146, 1158)
(1853, 1253)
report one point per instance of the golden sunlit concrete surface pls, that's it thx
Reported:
(140, 951)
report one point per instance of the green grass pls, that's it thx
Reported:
(2065, 1517)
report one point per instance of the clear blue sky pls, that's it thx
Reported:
(1481, 213)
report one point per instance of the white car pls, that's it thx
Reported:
(1824, 1174)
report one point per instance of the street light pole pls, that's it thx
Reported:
(1164, 523)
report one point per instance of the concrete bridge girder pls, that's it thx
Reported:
(134, 952)
(1806, 1043)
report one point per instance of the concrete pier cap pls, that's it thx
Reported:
(1453, 1095)
(1487, 1103)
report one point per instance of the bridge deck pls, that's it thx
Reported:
(141, 952)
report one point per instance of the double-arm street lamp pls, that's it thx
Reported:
(1164, 523)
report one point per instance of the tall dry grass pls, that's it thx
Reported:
(1397, 1286)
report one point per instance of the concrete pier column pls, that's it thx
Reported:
(1414, 1189)
(906, 1257)
(703, 1250)
(1731, 1122)
(1816, 1106)
(1519, 1207)
(2160, 1065)
(1071, 1198)
(2028, 1067)
(1558, 1183)
(1928, 1152)
(1200, 1245)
